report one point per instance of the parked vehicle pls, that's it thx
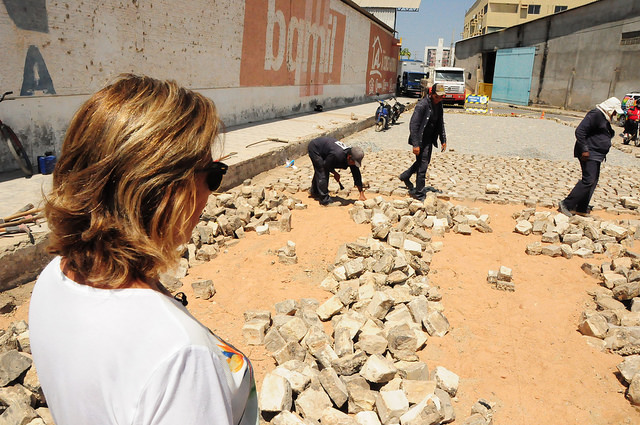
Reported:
(15, 146)
(396, 109)
(410, 85)
(382, 115)
(453, 80)
(622, 118)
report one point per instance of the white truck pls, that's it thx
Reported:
(453, 80)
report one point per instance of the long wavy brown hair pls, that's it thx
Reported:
(124, 185)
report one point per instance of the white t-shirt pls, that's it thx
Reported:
(132, 356)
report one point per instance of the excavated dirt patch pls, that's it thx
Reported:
(519, 349)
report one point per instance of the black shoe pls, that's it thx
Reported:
(563, 209)
(418, 195)
(329, 202)
(407, 182)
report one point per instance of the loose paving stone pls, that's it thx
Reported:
(446, 380)
(203, 289)
(275, 394)
(391, 405)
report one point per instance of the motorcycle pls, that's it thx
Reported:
(397, 109)
(382, 116)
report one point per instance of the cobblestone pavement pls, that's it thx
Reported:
(508, 136)
(529, 159)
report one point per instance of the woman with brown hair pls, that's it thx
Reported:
(110, 343)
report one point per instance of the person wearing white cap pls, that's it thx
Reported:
(593, 141)
(426, 125)
(326, 155)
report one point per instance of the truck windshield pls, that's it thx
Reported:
(450, 76)
(415, 77)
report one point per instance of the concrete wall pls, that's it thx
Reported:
(580, 57)
(257, 60)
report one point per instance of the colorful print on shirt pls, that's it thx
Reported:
(235, 359)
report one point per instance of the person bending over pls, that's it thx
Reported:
(326, 155)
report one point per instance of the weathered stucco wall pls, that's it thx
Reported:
(257, 60)
(581, 58)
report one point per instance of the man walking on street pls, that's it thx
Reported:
(593, 140)
(426, 125)
(327, 154)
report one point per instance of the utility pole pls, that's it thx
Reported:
(451, 58)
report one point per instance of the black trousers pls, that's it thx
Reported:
(579, 198)
(320, 182)
(419, 167)
(631, 127)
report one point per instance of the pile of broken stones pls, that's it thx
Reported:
(614, 321)
(224, 221)
(379, 283)
(366, 370)
(21, 398)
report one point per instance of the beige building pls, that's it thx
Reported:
(437, 56)
(486, 16)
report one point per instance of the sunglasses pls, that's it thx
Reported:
(215, 172)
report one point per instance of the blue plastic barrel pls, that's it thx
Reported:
(46, 164)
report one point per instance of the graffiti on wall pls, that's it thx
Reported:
(383, 63)
(292, 42)
(36, 78)
(31, 15)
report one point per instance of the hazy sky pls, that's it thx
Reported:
(436, 19)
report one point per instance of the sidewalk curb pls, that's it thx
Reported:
(545, 108)
(269, 160)
(23, 262)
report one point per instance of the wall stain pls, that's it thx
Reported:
(28, 15)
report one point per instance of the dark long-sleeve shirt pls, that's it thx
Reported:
(593, 135)
(427, 123)
(334, 154)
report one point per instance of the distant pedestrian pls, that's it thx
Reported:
(326, 155)
(593, 141)
(631, 123)
(425, 127)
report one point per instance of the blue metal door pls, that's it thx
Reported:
(512, 76)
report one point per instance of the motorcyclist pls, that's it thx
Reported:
(631, 123)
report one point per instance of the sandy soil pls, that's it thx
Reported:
(520, 350)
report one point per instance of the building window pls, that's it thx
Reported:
(629, 38)
(560, 9)
(504, 7)
(534, 9)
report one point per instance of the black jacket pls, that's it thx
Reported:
(593, 135)
(334, 155)
(427, 122)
